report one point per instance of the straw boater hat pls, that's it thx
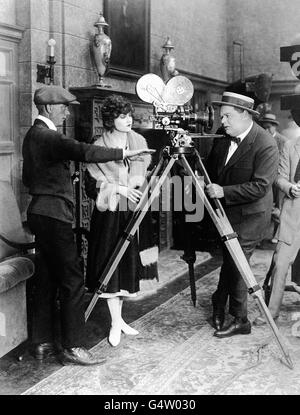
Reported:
(268, 117)
(238, 101)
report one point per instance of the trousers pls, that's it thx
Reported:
(59, 283)
(231, 284)
(284, 256)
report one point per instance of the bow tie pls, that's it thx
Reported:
(237, 140)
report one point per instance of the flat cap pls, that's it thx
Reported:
(53, 94)
(270, 118)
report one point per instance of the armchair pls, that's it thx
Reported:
(16, 266)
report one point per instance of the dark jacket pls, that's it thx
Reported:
(46, 166)
(246, 180)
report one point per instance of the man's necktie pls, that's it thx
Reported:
(297, 174)
(237, 140)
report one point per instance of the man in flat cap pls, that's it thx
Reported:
(269, 122)
(242, 166)
(46, 155)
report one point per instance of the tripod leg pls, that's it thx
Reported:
(230, 239)
(129, 232)
(91, 305)
(192, 282)
(189, 256)
(255, 290)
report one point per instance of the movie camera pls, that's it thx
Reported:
(171, 111)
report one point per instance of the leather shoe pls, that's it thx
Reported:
(218, 320)
(238, 326)
(79, 356)
(43, 350)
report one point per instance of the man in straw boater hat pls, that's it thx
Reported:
(242, 166)
(46, 172)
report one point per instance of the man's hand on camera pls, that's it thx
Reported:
(214, 191)
(131, 154)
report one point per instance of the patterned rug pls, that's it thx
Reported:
(176, 353)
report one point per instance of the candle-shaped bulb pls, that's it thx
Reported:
(51, 44)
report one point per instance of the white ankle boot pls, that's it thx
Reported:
(128, 330)
(114, 337)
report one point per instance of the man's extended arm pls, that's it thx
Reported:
(61, 148)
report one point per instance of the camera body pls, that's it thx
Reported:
(180, 121)
(182, 116)
(172, 113)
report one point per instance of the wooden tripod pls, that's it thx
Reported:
(220, 220)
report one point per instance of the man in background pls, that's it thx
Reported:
(288, 233)
(292, 130)
(270, 124)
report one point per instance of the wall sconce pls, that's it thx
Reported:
(167, 62)
(45, 73)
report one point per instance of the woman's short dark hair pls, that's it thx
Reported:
(112, 107)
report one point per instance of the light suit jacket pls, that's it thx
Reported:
(290, 213)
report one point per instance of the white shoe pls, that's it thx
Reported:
(128, 330)
(114, 337)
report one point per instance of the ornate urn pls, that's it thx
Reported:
(101, 50)
(167, 62)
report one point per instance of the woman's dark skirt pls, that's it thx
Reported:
(106, 228)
